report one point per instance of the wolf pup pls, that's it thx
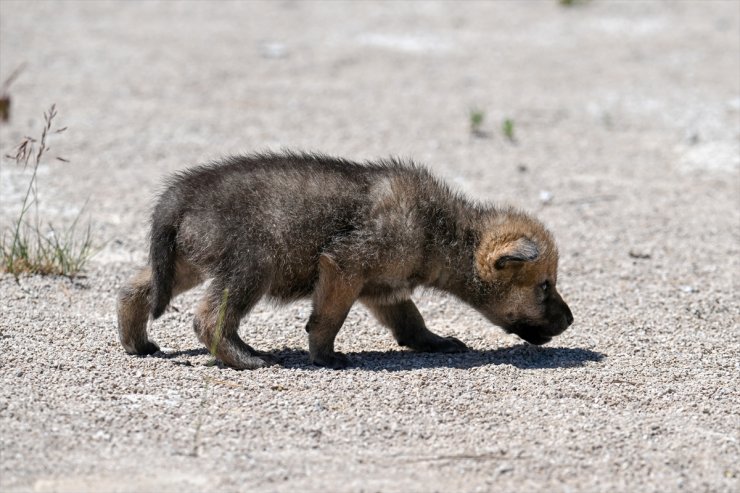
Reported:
(292, 225)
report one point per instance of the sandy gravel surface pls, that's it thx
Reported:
(627, 125)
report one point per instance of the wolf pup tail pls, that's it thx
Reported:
(162, 259)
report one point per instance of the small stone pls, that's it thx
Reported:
(546, 197)
(639, 255)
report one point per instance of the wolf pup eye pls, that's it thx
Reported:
(545, 286)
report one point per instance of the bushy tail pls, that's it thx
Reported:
(162, 259)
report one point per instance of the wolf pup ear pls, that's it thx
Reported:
(495, 254)
(520, 250)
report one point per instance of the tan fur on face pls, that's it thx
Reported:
(516, 236)
(510, 234)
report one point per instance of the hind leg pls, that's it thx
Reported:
(133, 314)
(217, 325)
(134, 306)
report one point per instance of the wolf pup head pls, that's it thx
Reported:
(516, 264)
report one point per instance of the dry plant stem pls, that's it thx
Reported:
(199, 420)
(11, 78)
(5, 101)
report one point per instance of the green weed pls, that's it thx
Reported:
(26, 246)
(508, 128)
(219, 325)
(477, 117)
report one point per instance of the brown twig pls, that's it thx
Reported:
(11, 78)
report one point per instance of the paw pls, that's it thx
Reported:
(147, 348)
(443, 345)
(335, 361)
(251, 362)
(268, 358)
(452, 345)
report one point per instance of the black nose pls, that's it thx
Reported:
(568, 315)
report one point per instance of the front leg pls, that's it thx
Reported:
(333, 297)
(407, 325)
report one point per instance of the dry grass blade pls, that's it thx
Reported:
(23, 151)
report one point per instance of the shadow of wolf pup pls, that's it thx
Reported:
(293, 225)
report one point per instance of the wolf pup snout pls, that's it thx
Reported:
(291, 225)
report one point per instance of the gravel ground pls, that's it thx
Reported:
(627, 126)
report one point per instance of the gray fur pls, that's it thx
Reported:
(293, 225)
